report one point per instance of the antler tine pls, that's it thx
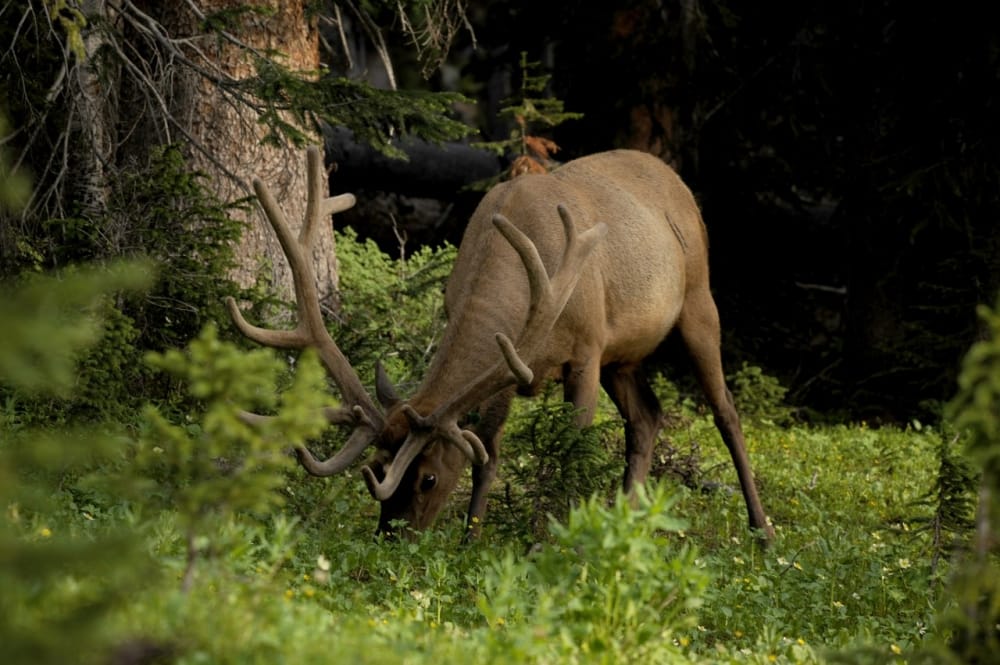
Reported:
(318, 206)
(333, 415)
(310, 328)
(360, 438)
(548, 299)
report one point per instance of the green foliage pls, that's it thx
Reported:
(843, 567)
(952, 498)
(289, 103)
(91, 575)
(49, 319)
(64, 567)
(391, 310)
(532, 110)
(213, 464)
(612, 584)
(758, 396)
(970, 623)
(287, 581)
(612, 587)
(190, 260)
(549, 466)
(169, 212)
(975, 411)
(373, 115)
(109, 369)
(536, 110)
(61, 586)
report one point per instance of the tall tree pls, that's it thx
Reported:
(221, 122)
(96, 85)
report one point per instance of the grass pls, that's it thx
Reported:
(187, 537)
(851, 569)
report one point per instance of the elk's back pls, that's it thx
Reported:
(632, 289)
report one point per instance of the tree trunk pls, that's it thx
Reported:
(226, 138)
(96, 118)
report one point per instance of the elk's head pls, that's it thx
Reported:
(425, 484)
(423, 490)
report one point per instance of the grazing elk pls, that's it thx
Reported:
(576, 275)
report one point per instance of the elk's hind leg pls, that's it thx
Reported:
(629, 390)
(699, 327)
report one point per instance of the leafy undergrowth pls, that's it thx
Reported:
(677, 578)
(186, 536)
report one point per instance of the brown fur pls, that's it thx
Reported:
(617, 237)
(646, 278)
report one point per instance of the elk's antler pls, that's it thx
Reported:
(549, 296)
(360, 410)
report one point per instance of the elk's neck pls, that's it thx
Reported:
(468, 348)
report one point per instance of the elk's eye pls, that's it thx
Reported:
(428, 482)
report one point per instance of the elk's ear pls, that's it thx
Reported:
(384, 390)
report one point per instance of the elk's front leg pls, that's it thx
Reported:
(581, 384)
(490, 429)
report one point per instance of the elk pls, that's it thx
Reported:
(576, 275)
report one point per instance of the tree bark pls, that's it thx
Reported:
(96, 117)
(225, 138)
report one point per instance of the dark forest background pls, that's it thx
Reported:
(843, 154)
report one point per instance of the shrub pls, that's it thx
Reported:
(759, 397)
(392, 310)
(213, 465)
(58, 582)
(191, 261)
(549, 465)
(615, 585)
(975, 411)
